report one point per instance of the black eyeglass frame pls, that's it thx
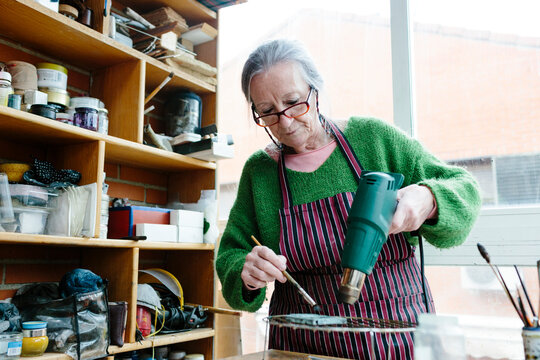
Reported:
(282, 112)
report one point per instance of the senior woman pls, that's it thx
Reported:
(294, 198)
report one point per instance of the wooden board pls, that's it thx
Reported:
(121, 88)
(279, 355)
(193, 11)
(16, 238)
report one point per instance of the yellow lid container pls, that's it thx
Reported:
(52, 66)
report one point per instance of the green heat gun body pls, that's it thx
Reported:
(369, 220)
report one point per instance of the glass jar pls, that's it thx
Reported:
(438, 338)
(35, 339)
(10, 345)
(5, 87)
(86, 118)
(103, 121)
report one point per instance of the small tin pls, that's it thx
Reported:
(47, 111)
(14, 101)
(66, 118)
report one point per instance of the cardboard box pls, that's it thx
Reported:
(157, 232)
(122, 220)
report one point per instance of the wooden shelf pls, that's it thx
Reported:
(129, 153)
(193, 11)
(30, 239)
(23, 126)
(42, 25)
(161, 340)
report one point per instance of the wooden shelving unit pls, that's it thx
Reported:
(121, 77)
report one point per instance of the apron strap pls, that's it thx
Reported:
(286, 193)
(345, 147)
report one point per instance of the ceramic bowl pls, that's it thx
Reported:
(14, 171)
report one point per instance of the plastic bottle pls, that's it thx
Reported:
(5, 87)
(438, 338)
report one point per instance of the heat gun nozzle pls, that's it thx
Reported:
(351, 285)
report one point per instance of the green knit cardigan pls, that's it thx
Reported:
(379, 147)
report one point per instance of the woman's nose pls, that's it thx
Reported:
(285, 121)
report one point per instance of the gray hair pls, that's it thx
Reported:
(274, 52)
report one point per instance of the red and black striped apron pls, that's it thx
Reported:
(312, 239)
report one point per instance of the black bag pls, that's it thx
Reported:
(176, 319)
(77, 325)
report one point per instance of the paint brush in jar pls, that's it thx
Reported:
(300, 289)
(499, 277)
(535, 318)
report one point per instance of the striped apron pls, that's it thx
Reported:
(312, 239)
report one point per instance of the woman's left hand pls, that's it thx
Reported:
(415, 204)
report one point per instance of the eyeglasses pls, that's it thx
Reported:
(291, 112)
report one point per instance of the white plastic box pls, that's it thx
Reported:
(190, 225)
(157, 232)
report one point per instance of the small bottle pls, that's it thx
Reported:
(438, 338)
(5, 87)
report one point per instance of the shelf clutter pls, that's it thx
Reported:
(165, 35)
(53, 97)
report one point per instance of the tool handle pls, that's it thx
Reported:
(216, 310)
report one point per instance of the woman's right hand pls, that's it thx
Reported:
(261, 267)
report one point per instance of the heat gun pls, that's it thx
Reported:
(368, 224)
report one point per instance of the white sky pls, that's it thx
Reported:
(246, 23)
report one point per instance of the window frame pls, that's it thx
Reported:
(511, 234)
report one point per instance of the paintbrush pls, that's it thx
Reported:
(538, 270)
(300, 289)
(535, 319)
(522, 308)
(499, 277)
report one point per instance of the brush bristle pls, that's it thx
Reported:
(483, 252)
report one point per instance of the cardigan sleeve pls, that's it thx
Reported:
(235, 244)
(455, 190)
(458, 200)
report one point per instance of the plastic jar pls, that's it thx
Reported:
(5, 87)
(438, 338)
(10, 345)
(52, 76)
(35, 339)
(86, 118)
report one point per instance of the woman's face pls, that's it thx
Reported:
(279, 88)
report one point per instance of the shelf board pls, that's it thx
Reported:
(42, 25)
(31, 239)
(193, 11)
(156, 72)
(134, 154)
(59, 37)
(25, 127)
(161, 340)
